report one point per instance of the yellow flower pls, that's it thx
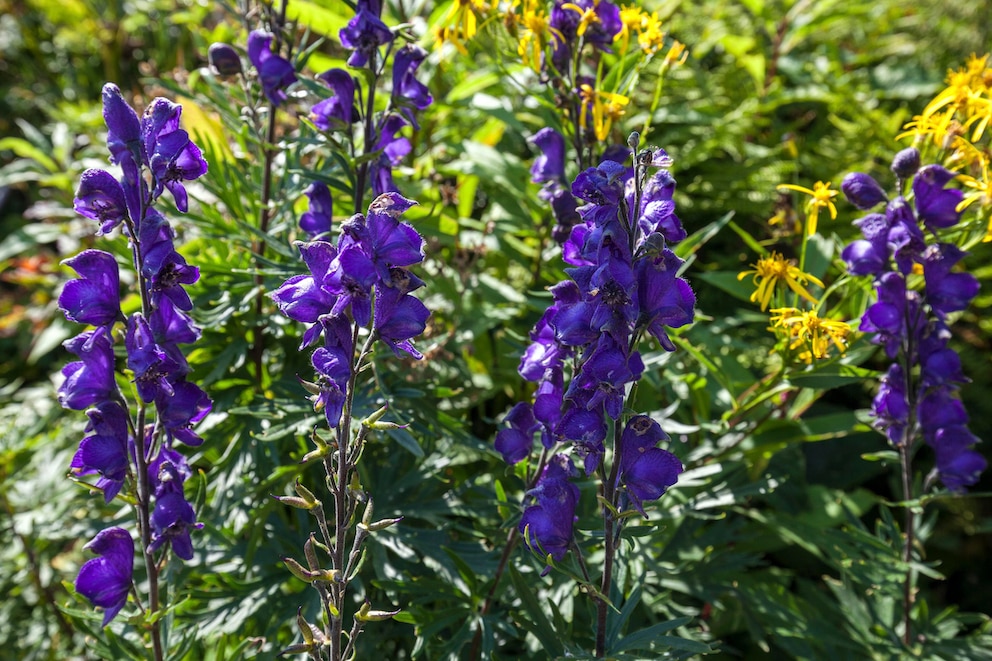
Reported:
(537, 29)
(651, 37)
(587, 17)
(632, 18)
(770, 271)
(606, 108)
(460, 24)
(807, 329)
(820, 196)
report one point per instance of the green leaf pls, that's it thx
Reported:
(539, 625)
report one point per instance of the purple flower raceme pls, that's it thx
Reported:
(367, 263)
(911, 323)
(623, 287)
(155, 155)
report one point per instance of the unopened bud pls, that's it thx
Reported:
(862, 191)
(906, 162)
(224, 59)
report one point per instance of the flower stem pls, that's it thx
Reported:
(907, 549)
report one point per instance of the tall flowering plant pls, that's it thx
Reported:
(623, 289)
(918, 290)
(137, 425)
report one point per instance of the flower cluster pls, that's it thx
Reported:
(364, 34)
(367, 264)
(623, 284)
(918, 393)
(154, 155)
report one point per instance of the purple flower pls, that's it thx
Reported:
(936, 205)
(152, 366)
(123, 137)
(365, 33)
(337, 112)
(106, 580)
(224, 59)
(890, 408)
(93, 298)
(407, 90)
(646, 471)
(862, 191)
(657, 213)
(100, 197)
(550, 165)
(333, 364)
(515, 442)
(173, 517)
(176, 159)
(303, 297)
(105, 449)
(392, 147)
(664, 300)
(88, 381)
(184, 408)
(947, 292)
(274, 71)
(399, 317)
(906, 163)
(317, 220)
(549, 522)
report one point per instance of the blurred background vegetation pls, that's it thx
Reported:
(768, 546)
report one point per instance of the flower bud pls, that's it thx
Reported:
(366, 614)
(906, 163)
(224, 59)
(862, 191)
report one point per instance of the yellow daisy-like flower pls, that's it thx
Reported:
(807, 329)
(774, 270)
(605, 107)
(460, 23)
(536, 32)
(819, 196)
(632, 19)
(587, 17)
(651, 37)
(981, 192)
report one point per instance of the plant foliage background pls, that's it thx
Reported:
(782, 536)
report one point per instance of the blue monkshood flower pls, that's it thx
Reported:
(173, 517)
(317, 219)
(602, 185)
(105, 449)
(100, 197)
(165, 269)
(548, 523)
(303, 297)
(906, 163)
(936, 205)
(516, 441)
(550, 165)
(179, 412)
(224, 59)
(351, 277)
(124, 139)
(171, 326)
(862, 191)
(607, 368)
(392, 147)
(337, 112)
(176, 159)
(333, 364)
(274, 71)
(947, 292)
(90, 380)
(870, 255)
(657, 213)
(152, 367)
(93, 298)
(663, 299)
(646, 471)
(958, 465)
(544, 352)
(563, 207)
(390, 242)
(548, 400)
(365, 33)
(399, 317)
(905, 238)
(890, 407)
(939, 364)
(585, 426)
(895, 316)
(407, 90)
(106, 579)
